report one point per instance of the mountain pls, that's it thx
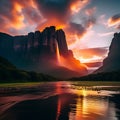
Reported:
(9, 73)
(104, 76)
(43, 52)
(112, 62)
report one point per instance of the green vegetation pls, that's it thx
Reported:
(5, 64)
(9, 73)
(95, 83)
(27, 84)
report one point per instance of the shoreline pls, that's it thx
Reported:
(33, 87)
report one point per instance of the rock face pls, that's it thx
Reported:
(112, 62)
(60, 36)
(38, 51)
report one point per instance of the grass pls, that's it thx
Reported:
(20, 88)
(26, 84)
(95, 83)
(81, 83)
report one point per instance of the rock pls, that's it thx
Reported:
(6, 45)
(52, 42)
(112, 62)
(39, 52)
(37, 38)
(62, 44)
(30, 39)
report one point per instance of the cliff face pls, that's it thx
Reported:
(112, 62)
(40, 51)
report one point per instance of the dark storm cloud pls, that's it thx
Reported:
(61, 10)
(58, 8)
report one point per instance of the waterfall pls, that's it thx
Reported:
(58, 54)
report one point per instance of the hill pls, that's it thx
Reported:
(104, 76)
(9, 73)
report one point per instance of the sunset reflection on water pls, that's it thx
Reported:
(63, 101)
(89, 104)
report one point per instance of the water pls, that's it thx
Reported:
(62, 101)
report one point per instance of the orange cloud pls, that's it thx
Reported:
(90, 54)
(78, 5)
(114, 20)
(18, 18)
(40, 14)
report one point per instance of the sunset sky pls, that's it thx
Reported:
(89, 24)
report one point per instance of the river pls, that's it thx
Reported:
(62, 101)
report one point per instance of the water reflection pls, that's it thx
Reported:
(67, 102)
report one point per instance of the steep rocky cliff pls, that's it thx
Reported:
(112, 62)
(45, 52)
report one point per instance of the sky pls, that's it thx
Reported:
(89, 24)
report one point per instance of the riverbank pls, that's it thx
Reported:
(32, 87)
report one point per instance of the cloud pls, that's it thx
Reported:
(90, 11)
(114, 20)
(31, 15)
(11, 15)
(90, 22)
(76, 29)
(78, 5)
(91, 54)
(51, 9)
(21, 16)
(118, 27)
(59, 12)
(105, 34)
(60, 8)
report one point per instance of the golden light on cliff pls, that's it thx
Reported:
(60, 27)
